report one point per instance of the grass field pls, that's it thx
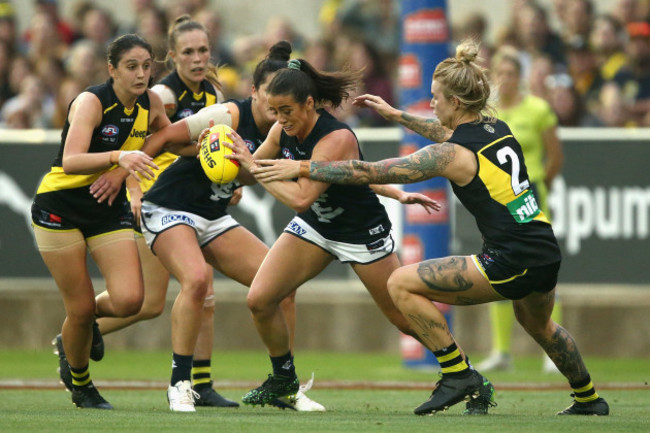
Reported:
(363, 393)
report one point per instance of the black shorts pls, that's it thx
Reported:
(51, 221)
(514, 282)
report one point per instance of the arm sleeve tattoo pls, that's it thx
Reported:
(424, 164)
(426, 127)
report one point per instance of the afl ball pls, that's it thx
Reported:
(212, 154)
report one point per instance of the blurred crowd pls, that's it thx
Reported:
(592, 66)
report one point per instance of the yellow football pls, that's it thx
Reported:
(216, 166)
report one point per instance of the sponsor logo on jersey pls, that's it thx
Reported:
(376, 230)
(127, 120)
(524, 208)
(375, 245)
(294, 227)
(138, 133)
(109, 131)
(488, 128)
(185, 113)
(287, 153)
(173, 218)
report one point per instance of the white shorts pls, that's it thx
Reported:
(156, 219)
(345, 252)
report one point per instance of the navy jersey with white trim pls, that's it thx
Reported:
(344, 213)
(120, 129)
(500, 197)
(184, 186)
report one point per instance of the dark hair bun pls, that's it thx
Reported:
(280, 51)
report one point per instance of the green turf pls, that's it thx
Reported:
(348, 410)
(243, 365)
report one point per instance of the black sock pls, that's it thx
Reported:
(201, 374)
(181, 368)
(283, 365)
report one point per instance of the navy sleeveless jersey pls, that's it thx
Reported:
(343, 213)
(184, 186)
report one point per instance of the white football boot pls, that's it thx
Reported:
(181, 397)
(300, 402)
(495, 362)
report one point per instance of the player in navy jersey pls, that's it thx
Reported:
(184, 189)
(520, 258)
(347, 223)
(105, 127)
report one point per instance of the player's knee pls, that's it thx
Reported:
(82, 316)
(257, 304)
(151, 310)
(396, 287)
(128, 304)
(196, 286)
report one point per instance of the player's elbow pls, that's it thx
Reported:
(301, 204)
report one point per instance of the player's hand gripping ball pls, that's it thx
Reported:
(212, 155)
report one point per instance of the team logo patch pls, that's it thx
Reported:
(109, 131)
(185, 113)
(287, 153)
(250, 145)
(295, 228)
(173, 218)
(376, 230)
(488, 128)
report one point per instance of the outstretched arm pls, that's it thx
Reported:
(431, 161)
(427, 127)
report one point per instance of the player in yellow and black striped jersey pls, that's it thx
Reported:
(520, 259)
(105, 127)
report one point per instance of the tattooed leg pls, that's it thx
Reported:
(534, 314)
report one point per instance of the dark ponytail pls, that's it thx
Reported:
(302, 80)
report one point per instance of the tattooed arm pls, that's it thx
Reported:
(449, 160)
(427, 127)
(424, 164)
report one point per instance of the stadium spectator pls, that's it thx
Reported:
(634, 77)
(98, 26)
(84, 63)
(540, 68)
(607, 39)
(578, 17)
(610, 110)
(220, 53)
(8, 30)
(51, 8)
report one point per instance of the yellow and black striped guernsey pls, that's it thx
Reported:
(500, 198)
(68, 195)
(188, 102)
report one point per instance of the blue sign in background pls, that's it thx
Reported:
(425, 43)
